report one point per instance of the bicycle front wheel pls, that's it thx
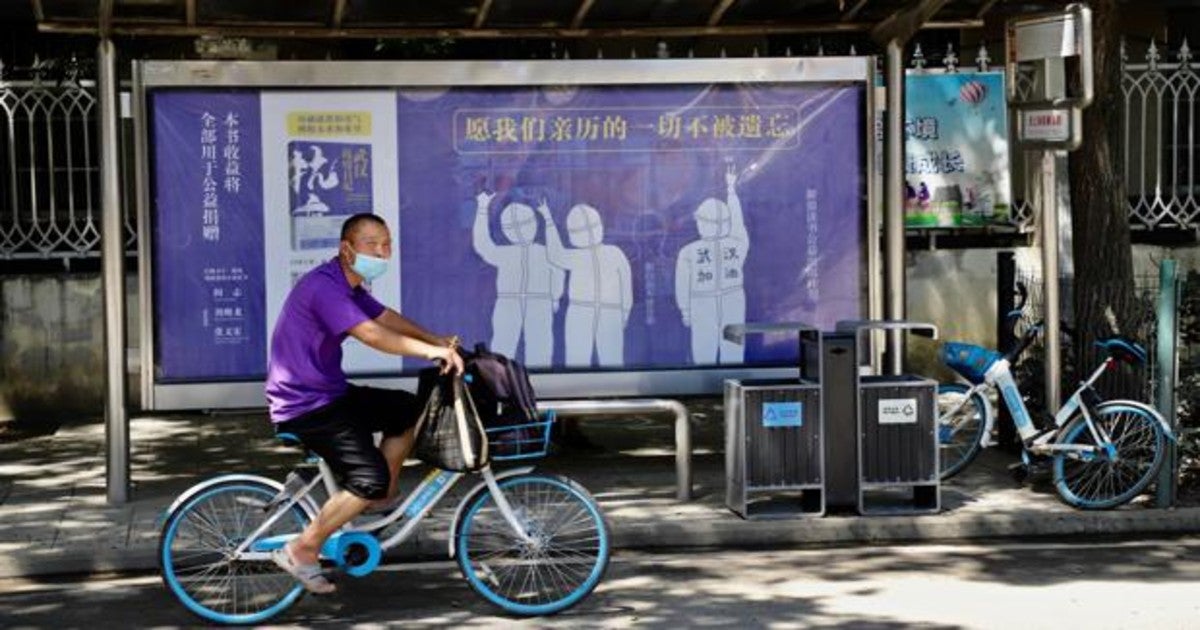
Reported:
(195, 554)
(961, 423)
(1114, 473)
(562, 563)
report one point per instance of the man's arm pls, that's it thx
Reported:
(398, 323)
(683, 284)
(384, 339)
(558, 255)
(481, 238)
(737, 221)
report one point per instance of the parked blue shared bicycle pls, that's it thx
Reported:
(1103, 452)
(530, 543)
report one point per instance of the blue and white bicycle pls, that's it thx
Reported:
(530, 543)
(1103, 452)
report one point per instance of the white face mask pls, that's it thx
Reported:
(369, 267)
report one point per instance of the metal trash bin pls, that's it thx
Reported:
(774, 456)
(897, 452)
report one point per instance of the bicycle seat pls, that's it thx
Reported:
(1123, 349)
(290, 439)
(971, 361)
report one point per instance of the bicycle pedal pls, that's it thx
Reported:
(1019, 472)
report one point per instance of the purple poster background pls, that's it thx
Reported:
(645, 158)
(208, 236)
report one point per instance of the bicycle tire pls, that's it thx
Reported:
(1099, 483)
(197, 535)
(569, 530)
(960, 438)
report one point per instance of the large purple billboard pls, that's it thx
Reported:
(582, 228)
(624, 227)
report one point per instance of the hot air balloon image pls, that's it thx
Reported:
(972, 93)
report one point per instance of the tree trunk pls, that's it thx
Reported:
(1104, 298)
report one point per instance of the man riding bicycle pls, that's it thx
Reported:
(309, 396)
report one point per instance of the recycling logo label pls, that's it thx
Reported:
(897, 411)
(783, 414)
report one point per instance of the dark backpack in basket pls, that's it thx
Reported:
(500, 387)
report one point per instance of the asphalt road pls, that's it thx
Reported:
(1130, 584)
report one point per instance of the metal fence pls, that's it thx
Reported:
(1161, 139)
(50, 183)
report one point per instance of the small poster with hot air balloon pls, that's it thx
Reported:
(957, 170)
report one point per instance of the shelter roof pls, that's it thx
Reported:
(514, 18)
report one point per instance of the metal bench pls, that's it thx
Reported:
(683, 431)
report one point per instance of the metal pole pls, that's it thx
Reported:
(1167, 372)
(893, 186)
(113, 253)
(1053, 85)
(1050, 297)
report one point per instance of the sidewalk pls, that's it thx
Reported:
(54, 518)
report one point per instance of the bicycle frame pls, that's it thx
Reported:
(428, 493)
(1000, 376)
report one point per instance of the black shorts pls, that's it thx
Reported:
(342, 434)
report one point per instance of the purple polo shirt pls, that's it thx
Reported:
(304, 371)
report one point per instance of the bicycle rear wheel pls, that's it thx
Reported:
(564, 562)
(961, 423)
(1113, 474)
(194, 554)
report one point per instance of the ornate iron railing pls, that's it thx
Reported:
(1161, 139)
(49, 165)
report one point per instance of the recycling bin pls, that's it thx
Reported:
(896, 428)
(774, 453)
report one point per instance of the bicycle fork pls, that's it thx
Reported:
(505, 507)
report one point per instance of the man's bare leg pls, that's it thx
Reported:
(395, 450)
(340, 509)
(343, 507)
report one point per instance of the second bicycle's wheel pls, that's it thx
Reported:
(564, 561)
(1112, 474)
(961, 423)
(194, 548)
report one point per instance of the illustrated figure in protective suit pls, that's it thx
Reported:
(528, 287)
(709, 287)
(600, 289)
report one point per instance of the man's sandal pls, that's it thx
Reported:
(309, 575)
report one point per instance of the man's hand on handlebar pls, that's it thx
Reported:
(450, 361)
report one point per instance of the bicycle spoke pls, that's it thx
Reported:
(558, 560)
(205, 532)
(1116, 471)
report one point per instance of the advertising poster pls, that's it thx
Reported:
(589, 228)
(956, 150)
(624, 227)
(207, 236)
(327, 156)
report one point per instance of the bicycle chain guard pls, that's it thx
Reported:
(356, 553)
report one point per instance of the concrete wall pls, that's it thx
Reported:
(956, 291)
(52, 346)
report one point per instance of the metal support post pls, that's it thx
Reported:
(1167, 375)
(1050, 301)
(894, 203)
(1053, 85)
(113, 253)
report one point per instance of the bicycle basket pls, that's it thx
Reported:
(520, 441)
(969, 360)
